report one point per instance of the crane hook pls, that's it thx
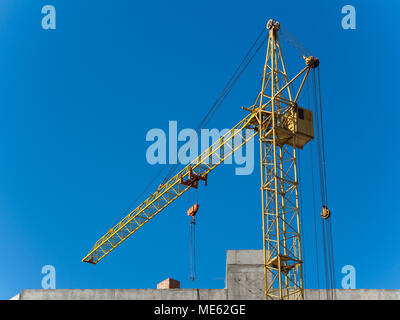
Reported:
(192, 213)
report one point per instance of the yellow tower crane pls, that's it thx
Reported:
(283, 127)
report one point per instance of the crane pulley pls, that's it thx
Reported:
(325, 213)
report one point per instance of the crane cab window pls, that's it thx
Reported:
(300, 113)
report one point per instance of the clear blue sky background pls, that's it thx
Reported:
(76, 104)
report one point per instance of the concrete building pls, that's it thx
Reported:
(244, 281)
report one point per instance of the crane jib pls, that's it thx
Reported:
(173, 189)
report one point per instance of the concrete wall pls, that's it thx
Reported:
(244, 281)
(245, 274)
(124, 294)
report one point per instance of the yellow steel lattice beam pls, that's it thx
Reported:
(218, 152)
(279, 138)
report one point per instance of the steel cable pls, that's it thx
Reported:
(212, 110)
(224, 93)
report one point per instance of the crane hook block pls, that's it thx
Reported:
(326, 213)
(193, 210)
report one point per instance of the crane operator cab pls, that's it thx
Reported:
(296, 127)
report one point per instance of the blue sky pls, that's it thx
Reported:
(77, 102)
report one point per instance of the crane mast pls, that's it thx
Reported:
(283, 127)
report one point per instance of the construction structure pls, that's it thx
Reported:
(244, 281)
(283, 127)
